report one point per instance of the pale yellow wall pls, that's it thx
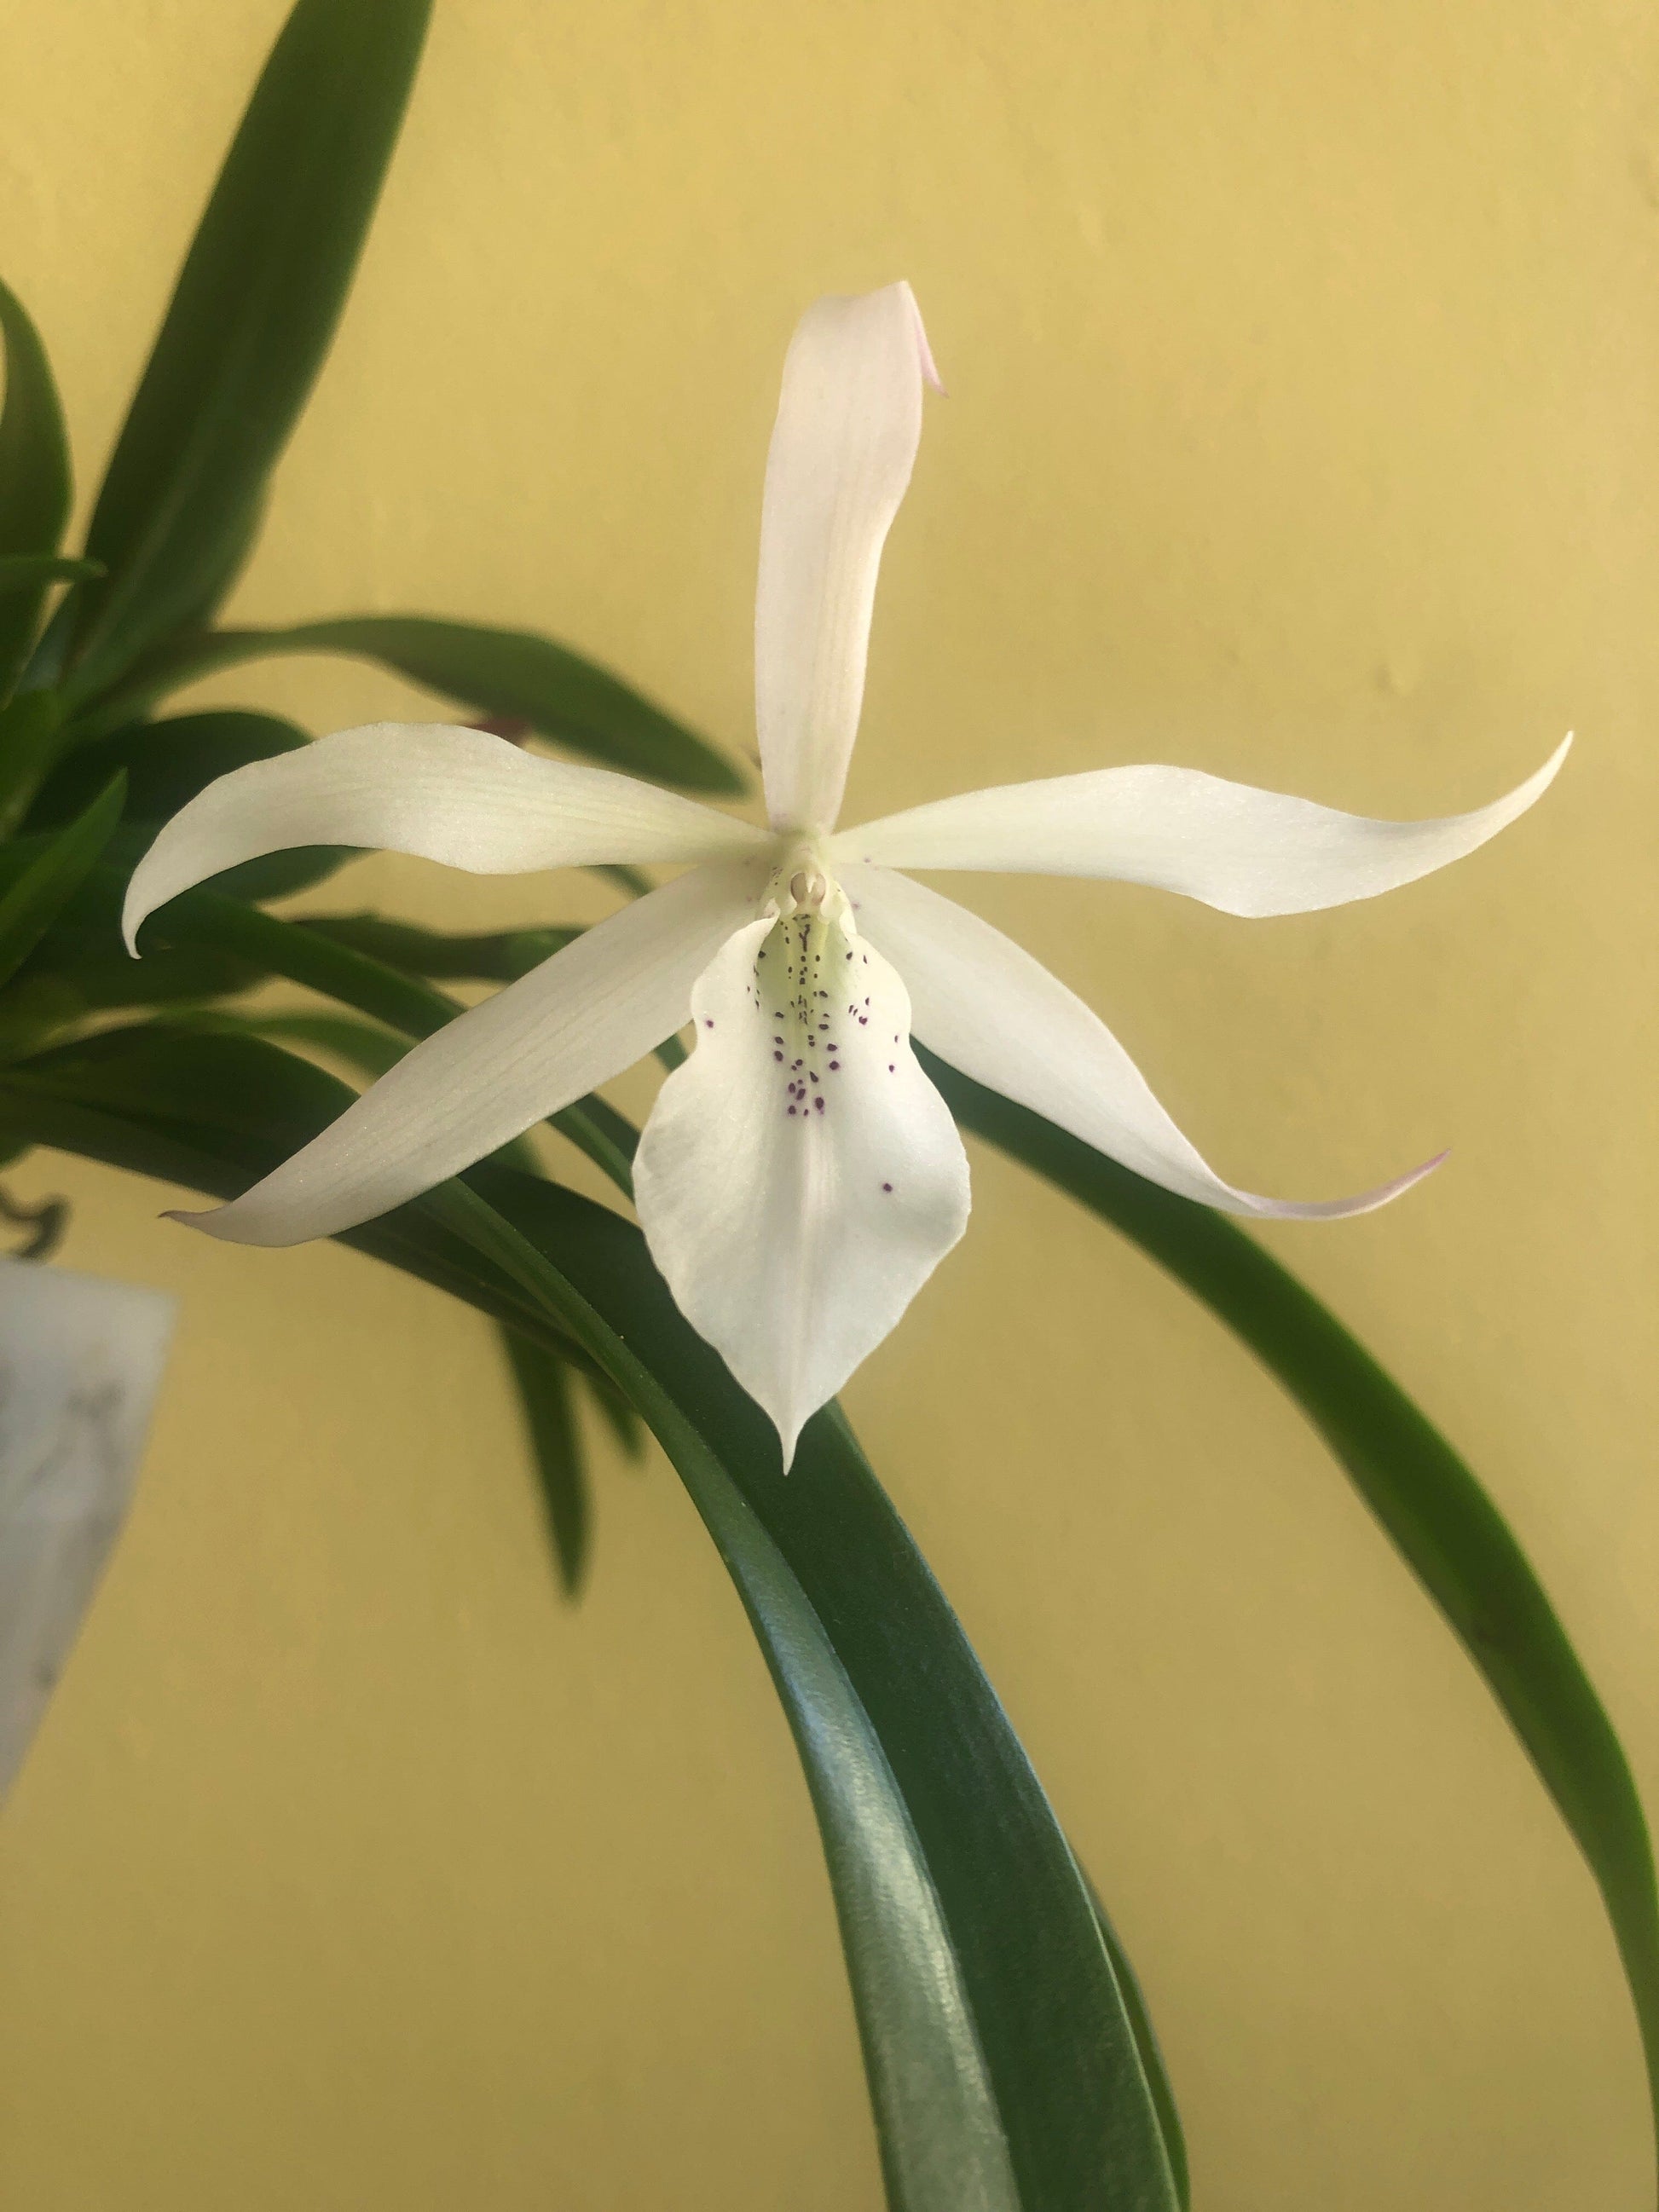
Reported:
(1303, 360)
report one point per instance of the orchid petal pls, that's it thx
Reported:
(591, 1010)
(999, 1015)
(1246, 851)
(848, 423)
(436, 790)
(799, 1178)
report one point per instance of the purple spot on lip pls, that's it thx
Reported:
(777, 1055)
(834, 1067)
(820, 1101)
(890, 1067)
(709, 1024)
(887, 1186)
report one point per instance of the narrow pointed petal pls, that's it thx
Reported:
(1246, 851)
(849, 421)
(434, 789)
(799, 1178)
(80, 1363)
(581, 1017)
(1000, 1016)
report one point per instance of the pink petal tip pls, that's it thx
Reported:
(1412, 1177)
(929, 366)
(191, 1220)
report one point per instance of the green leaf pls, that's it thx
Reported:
(543, 1381)
(41, 893)
(33, 1011)
(26, 572)
(29, 726)
(276, 875)
(34, 476)
(364, 1047)
(1429, 1502)
(485, 957)
(83, 951)
(249, 323)
(516, 678)
(1003, 2065)
(167, 763)
(221, 569)
(1152, 2057)
(47, 1103)
(208, 921)
(634, 881)
(96, 980)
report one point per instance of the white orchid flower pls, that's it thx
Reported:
(800, 1177)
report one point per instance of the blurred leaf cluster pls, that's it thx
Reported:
(1012, 2063)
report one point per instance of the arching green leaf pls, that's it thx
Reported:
(1428, 1500)
(524, 681)
(34, 901)
(250, 319)
(34, 476)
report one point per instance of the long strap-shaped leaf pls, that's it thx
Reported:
(1429, 1501)
(1003, 2065)
(255, 306)
(512, 675)
(25, 572)
(29, 906)
(35, 475)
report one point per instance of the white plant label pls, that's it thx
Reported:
(80, 1360)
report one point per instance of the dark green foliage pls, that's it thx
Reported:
(519, 682)
(39, 895)
(490, 957)
(251, 320)
(34, 479)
